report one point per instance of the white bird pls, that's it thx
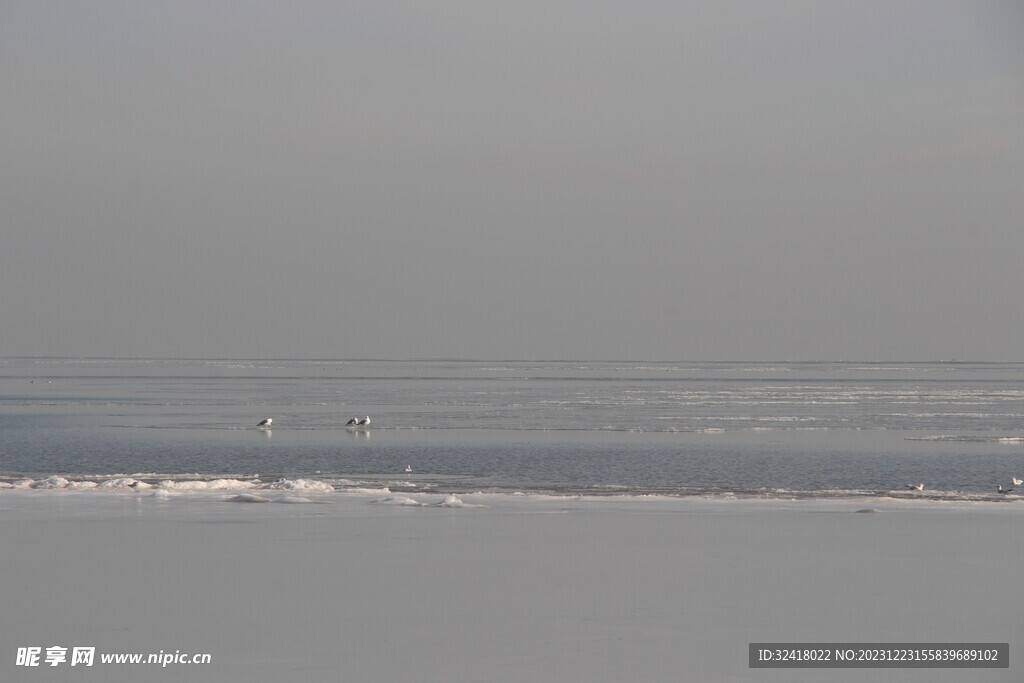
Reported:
(408, 468)
(915, 487)
(266, 423)
(1016, 481)
(1001, 490)
(353, 422)
(364, 422)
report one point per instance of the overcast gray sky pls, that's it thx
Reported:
(749, 179)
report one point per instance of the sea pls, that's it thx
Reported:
(597, 428)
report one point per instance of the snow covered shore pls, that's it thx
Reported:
(369, 586)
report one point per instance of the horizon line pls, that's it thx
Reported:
(450, 359)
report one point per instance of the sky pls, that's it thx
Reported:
(556, 179)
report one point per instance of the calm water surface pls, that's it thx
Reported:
(810, 429)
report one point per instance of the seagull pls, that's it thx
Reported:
(1016, 481)
(364, 422)
(915, 487)
(408, 468)
(1001, 490)
(353, 422)
(266, 423)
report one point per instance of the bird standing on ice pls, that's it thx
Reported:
(364, 422)
(915, 487)
(266, 423)
(1003, 491)
(353, 422)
